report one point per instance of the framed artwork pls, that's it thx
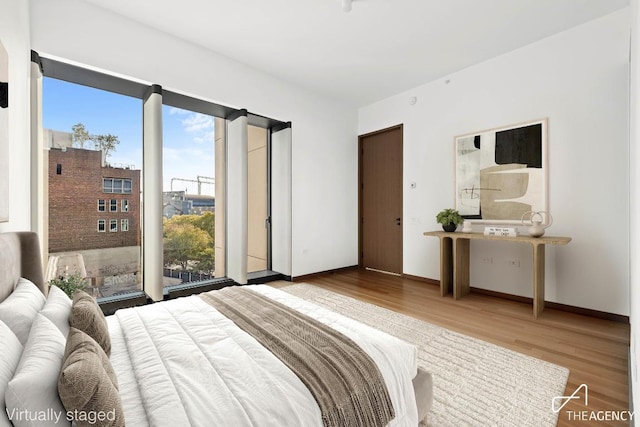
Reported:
(4, 134)
(501, 173)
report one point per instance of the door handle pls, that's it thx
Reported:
(398, 221)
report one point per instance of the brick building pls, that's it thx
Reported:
(91, 206)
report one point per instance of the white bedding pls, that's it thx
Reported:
(181, 362)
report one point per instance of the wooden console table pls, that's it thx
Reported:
(454, 262)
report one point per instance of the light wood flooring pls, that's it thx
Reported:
(594, 350)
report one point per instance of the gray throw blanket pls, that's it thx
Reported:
(343, 379)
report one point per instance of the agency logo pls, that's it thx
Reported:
(559, 402)
(581, 394)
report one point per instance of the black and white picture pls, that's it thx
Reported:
(502, 173)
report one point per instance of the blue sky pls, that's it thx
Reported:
(188, 137)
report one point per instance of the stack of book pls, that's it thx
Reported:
(501, 231)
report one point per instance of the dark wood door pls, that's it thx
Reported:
(381, 200)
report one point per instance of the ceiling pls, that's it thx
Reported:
(380, 48)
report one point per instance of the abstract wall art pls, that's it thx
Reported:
(501, 173)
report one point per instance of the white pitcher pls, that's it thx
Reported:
(534, 220)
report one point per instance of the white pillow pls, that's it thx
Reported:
(58, 309)
(34, 387)
(21, 307)
(10, 352)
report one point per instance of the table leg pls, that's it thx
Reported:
(461, 268)
(538, 279)
(446, 266)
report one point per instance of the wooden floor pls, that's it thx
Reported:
(594, 350)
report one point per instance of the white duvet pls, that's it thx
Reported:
(181, 363)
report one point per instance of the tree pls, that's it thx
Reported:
(80, 135)
(187, 244)
(106, 143)
(207, 260)
(207, 222)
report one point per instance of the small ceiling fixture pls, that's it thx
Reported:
(346, 5)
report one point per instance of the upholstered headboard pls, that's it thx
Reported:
(20, 257)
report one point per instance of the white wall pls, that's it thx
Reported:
(324, 131)
(14, 34)
(634, 181)
(579, 80)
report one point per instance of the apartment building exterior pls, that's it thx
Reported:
(91, 206)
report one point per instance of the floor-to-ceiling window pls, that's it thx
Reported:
(136, 181)
(189, 196)
(93, 144)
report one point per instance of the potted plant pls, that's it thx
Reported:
(70, 283)
(450, 219)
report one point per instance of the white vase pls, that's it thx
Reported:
(466, 226)
(535, 222)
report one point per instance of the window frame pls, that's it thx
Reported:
(117, 185)
(123, 185)
(102, 222)
(57, 69)
(104, 185)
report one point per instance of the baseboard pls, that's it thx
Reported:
(421, 279)
(502, 295)
(588, 312)
(323, 273)
(555, 305)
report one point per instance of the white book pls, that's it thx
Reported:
(501, 231)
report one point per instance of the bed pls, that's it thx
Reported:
(184, 362)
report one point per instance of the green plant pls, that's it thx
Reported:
(70, 283)
(449, 216)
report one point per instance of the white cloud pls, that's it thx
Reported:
(194, 157)
(197, 122)
(206, 137)
(189, 154)
(179, 111)
(200, 126)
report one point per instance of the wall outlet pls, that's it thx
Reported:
(514, 262)
(486, 260)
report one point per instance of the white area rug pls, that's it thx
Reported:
(476, 383)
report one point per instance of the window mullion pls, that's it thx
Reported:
(152, 194)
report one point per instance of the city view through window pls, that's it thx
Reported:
(188, 166)
(93, 157)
